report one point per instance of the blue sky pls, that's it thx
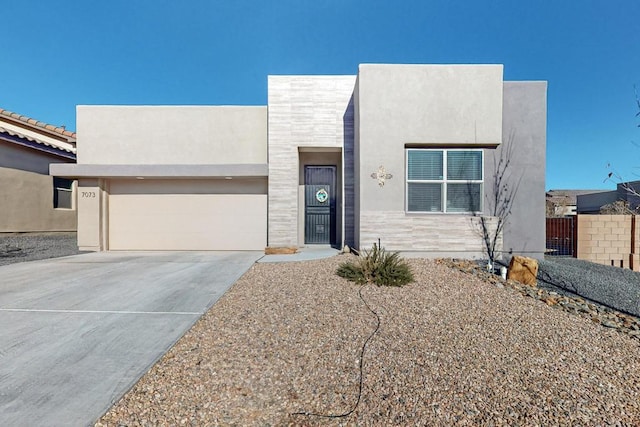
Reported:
(61, 53)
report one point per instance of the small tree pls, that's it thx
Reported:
(619, 207)
(499, 200)
(557, 205)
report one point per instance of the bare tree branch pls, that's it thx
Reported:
(613, 175)
(500, 200)
(635, 89)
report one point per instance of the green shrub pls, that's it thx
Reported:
(379, 267)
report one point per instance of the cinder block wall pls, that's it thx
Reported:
(609, 240)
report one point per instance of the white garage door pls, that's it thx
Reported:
(185, 215)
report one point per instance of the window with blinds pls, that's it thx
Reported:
(444, 180)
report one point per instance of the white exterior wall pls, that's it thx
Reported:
(304, 112)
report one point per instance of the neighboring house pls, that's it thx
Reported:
(30, 199)
(625, 197)
(564, 202)
(401, 154)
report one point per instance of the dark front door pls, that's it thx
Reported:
(320, 204)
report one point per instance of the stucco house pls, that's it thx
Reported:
(30, 199)
(626, 195)
(565, 202)
(404, 154)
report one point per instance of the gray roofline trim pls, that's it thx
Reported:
(249, 170)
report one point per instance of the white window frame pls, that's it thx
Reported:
(443, 182)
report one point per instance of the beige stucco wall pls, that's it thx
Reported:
(92, 203)
(426, 106)
(26, 204)
(171, 135)
(305, 113)
(27, 159)
(430, 104)
(184, 142)
(395, 106)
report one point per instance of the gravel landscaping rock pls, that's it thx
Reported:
(615, 287)
(452, 349)
(563, 299)
(21, 247)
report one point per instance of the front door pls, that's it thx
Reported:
(320, 205)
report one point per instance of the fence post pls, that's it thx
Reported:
(632, 261)
(574, 226)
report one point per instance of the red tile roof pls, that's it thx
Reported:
(60, 130)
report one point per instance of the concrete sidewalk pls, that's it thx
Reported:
(78, 332)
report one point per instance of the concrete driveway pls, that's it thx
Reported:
(77, 332)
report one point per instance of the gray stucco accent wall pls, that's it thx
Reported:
(356, 166)
(525, 124)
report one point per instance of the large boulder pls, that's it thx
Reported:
(523, 270)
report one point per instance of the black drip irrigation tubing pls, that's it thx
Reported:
(364, 346)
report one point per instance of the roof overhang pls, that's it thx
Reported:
(244, 171)
(17, 138)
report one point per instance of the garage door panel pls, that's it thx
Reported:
(187, 221)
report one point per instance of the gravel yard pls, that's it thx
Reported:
(451, 349)
(20, 247)
(615, 287)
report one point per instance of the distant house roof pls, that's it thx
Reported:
(568, 196)
(25, 131)
(33, 122)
